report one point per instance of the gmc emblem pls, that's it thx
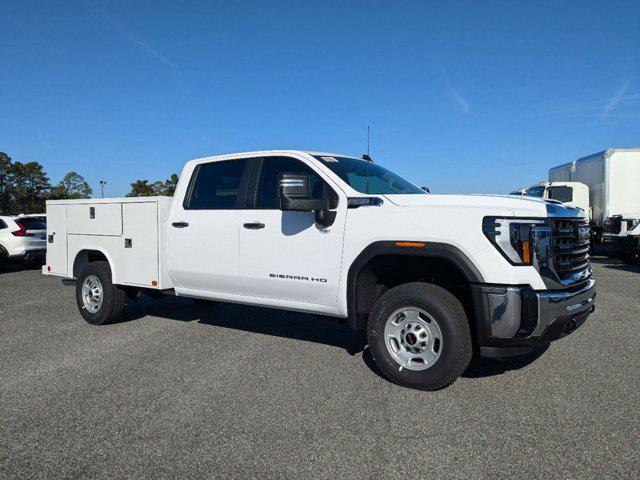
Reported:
(583, 232)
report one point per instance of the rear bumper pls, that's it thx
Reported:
(28, 253)
(512, 320)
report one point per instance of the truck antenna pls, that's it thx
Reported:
(366, 156)
(368, 138)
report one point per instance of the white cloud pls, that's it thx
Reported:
(618, 96)
(43, 141)
(135, 40)
(461, 104)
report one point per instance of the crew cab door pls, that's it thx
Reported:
(287, 256)
(202, 237)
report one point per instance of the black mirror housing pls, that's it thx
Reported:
(303, 204)
(294, 195)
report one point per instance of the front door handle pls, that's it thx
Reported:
(180, 224)
(254, 225)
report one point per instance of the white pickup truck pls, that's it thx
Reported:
(430, 278)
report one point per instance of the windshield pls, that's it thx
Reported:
(562, 194)
(367, 177)
(535, 192)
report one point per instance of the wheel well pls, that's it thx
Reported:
(85, 257)
(384, 272)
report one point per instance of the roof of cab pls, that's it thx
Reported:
(240, 155)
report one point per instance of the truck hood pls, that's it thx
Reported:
(501, 204)
(629, 215)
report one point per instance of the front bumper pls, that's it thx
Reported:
(629, 244)
(512, 320)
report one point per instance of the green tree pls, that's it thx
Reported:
(72, 186)
(5, 182)
(29, 186)
(142, 188)
(170, 185)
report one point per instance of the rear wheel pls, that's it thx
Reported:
(419, 336)
(99, 300)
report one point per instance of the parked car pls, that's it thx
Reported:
(22, 239)
(427, 277)
(613, 180)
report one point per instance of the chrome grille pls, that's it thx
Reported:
(570, 248)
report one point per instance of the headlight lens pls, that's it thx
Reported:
(513, 237)
(631, 224)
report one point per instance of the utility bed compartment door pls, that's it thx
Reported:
(139, 257)
(94, 219)
(57, 239)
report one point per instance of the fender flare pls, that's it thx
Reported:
(389, 247)
(95, 249)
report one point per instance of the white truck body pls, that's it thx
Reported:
(613, 178)
(334, 235)
(103, 225)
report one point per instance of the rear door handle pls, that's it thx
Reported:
(254, 225)
(180, 224)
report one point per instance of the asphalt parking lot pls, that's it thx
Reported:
(179, 390)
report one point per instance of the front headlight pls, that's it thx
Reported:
(513, 237)
(632, 224)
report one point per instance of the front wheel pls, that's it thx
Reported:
(419, 336)
(99, 300)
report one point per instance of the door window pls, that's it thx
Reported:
(216, 186)
(272, 167)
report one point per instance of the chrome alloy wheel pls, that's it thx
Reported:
(413, 338)
(92, 294)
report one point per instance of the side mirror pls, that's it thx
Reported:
(426, 189)
(295, 195)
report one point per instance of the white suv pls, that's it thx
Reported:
(22, 239)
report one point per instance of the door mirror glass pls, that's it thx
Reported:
(295, 195)
(426, 189)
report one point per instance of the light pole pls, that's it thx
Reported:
(102, 184)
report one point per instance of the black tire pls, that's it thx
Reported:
(113, 296)
(450, 317)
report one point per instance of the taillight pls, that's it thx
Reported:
(22, 232)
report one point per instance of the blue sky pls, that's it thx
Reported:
(461, 96)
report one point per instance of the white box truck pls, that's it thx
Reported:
(427, 277)
(613, 178)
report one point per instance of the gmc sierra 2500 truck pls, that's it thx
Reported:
(430, 278)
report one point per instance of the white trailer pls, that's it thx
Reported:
(613, 178)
